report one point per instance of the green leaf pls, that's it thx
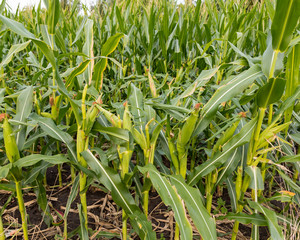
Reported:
(88, 49)
(290, 101)
(201, 80)
(256, 178)
(229, 166)
(239, 139)
(275, 230)
(284, 23)
(98, 73)
(120, 194)
(2, 7)
(155, 134)
(17, 27)
(45, 34)
(78, 70)
(42, 200)
(170, 198)
(177, 112)
(79, 31)
(72, 196)
(108, 47)
(139, 138)
(22, 31)
(4, 170)
(47, 51)
(282, 196)
(24, 107)
(289, 181)
(244, 218)
(53, 14)
(238, 51)
(232, 193)
(13, 50)
(74, 7)
(111, 44)
(136, 104)
(271, 92)
(226, 135)
(35, 158)
(272, 62)
(225, 93)
(185, 133)
(52, 130)
(270, 8)
(295, 158)
(192, 198)
(119, 133)
(292, 74)
(32, 175)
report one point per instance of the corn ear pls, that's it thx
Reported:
(186, 132)
(11, 147)
(152, 85)
(127, 123)
(238, 183)
(46, 114)
(55, 105)
(226, 136)
(125, 160)
(91, 118)
(173, 155)
(114, 120)
(139, 138)
(81, 142)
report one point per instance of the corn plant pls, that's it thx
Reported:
(192, 101)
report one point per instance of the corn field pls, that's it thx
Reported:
(150, 120)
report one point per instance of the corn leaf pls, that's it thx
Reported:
(24, 107)
(170, 198)
(275, 230)
(272, 62)
(239, 139)
(192, 198)
(244, 218)
(111, 44)
(72, 196)
(52, 130)
(88, 50)
(256, 182)
(78, 70)
(271, 92)
(33, 174)
(17, 27)
(295, 158)
(53, 14)
(35, 158)
(232, 193)
(119, 133)
(136, 104)
(292, 78)
(284, 22)
(225, 93)
(229, 166)
(120, 194)
(289, 181)
(13, 50)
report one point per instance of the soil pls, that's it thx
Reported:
(105, 218)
